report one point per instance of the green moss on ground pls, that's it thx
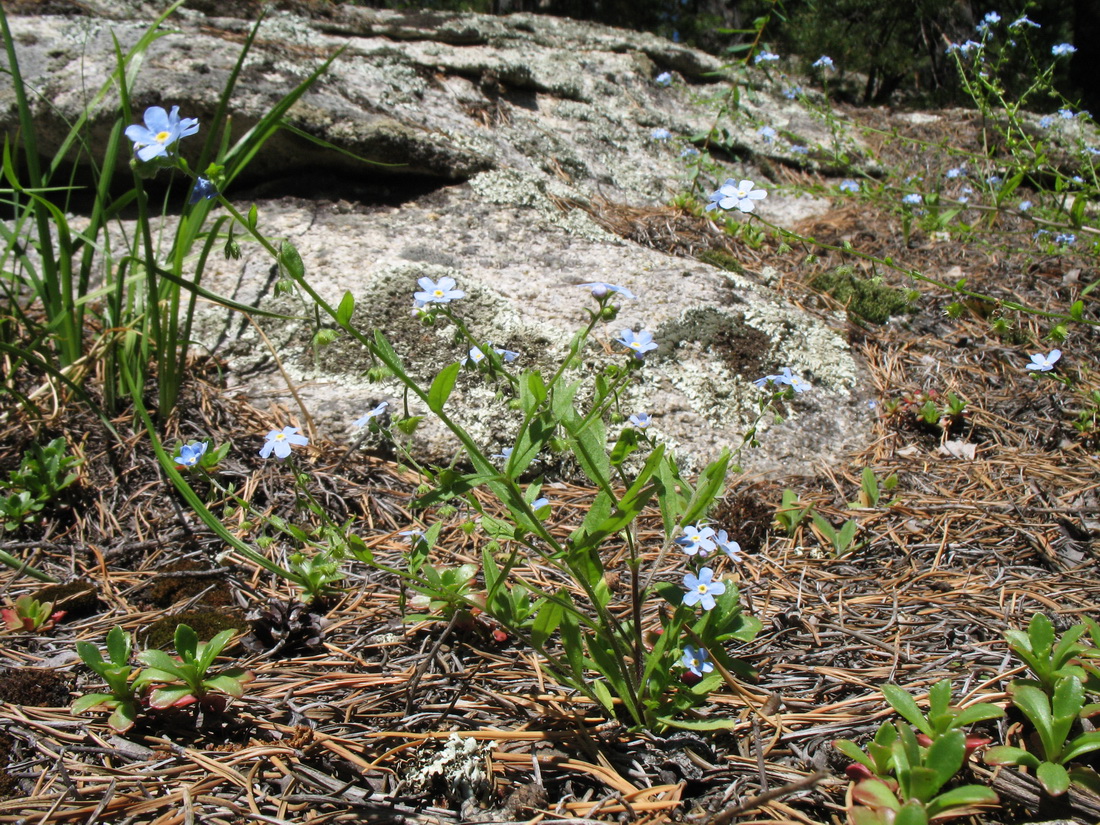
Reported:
(866, 298)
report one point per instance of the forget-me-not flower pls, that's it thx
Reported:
(849, 186)
(600, 290)
(640, 342)
(689, 153)
(475, 357)
(660, 134)
(1067, 238)
(1062, 49)
(784, 378)
(702, 589)
(733, 195)
(190, 454)
(1067, 114)
(1044, 363)
(824, 62)
(798, 149)
(414, 536)
(728, 545)
(160, 131)
(957, 172)
(913, 198)
(696, 660)
(792, 92)
(767, 133)
(539, 503)
(377, 411)
(992, 17)
(765, 57)
(1045, 122)
(280, 441)
(640, 420)
(506, 355)
(1024, 206)
(697, 538)
(663, 79)
(1020, 22)
(437, 293)
(202, 190)
(505, 452)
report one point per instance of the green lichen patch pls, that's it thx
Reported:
(740, 347)
(721, 259)
(868, 299)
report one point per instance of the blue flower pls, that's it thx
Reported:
(663, 79)
(765, 57)
(798, 149)
(733, 195)
(767, 133)
(1062, 49)
(792, 92)
(785, 377)
(600, 290)
(1024, 206)
(728, 546)
(696, 660)
(507, 355)
(697, 538)
(1044, 363)
(824, 62)
(1067, 238)
(203, 189)
(279, 441)
(639, 342)
(994, 180)
(1023, 21)
(957, 172)
(689, 152)
(539, 503)
(475, 357)
(992, 17)
(506, 452)
(160, 131)
(660, 134)
(377, 411)
(442, 293)
(190, 454)
(849, 186)
(1045, 122)
(640, 420)
(1066, 114)
(1092, 150)
(414, 536)
(912, 198)
(702, 589)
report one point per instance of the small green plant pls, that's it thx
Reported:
(1053, 719)
(28, 615)
(790, 514)
(915, 795)
(1050, 659)
(187, 680)
(842, 541)
(124, 700)
(43, 473)
(870, 493)
(942, 716)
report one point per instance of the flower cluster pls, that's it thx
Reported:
(824, 62)
(663, 79)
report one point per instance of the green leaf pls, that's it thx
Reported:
(977, 713)
(252, 217)
(697, 724)
(911, 813)
(212, 648)
(903, 703)
(346, 309)
(167, 697)
(966, 796)
(532, 391)
(118, 646)
(876, 794)
(442, 386)
(945, 756)
(187, 642)
(547, 621)
(90, 655)
(854, 752)
(1085, 778)
(1036, 707)
(1007, 755)
(228, 683)
(711, 483)
(627, 444)
(161, 661)
(571, 639)
(1054, 778)
(923, 782)
(1085, 743)
(603, 695)
(83, 704)
(124, 716)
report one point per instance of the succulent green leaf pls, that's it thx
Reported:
(957, 799)
(903, 703)
(1007, 755)
(876, 794)
(1054, 778)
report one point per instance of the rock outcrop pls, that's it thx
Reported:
(502, 137)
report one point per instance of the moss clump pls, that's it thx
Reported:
(721, 259)
(205, 623)
(165, 592)
(740, 347)
(865, 298)
(34, 687)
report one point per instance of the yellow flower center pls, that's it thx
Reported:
(163, 136)
(280, 437)
(702, 588)
(438, 293)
